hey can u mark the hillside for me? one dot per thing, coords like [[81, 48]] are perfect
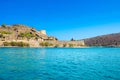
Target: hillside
[[105, 40], [25, 36], [22, 33]]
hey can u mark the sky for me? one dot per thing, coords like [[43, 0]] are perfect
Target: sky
[[64, 19]]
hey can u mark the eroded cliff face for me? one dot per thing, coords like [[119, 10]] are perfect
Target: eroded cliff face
[[23, 33]]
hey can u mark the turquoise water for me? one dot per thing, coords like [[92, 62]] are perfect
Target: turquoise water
[[59, 63]]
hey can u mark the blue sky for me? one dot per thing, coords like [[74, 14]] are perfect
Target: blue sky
[[64, 18]]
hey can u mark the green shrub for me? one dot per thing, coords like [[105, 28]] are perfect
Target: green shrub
[[4, 25], [42, 44], [22, 44], [19, 44], [71, 45], [46, 44], [50, 44], [4, 32], [13, 43], [6, 43], [64, 45], [57, 45], [27, 35], [1, 36]]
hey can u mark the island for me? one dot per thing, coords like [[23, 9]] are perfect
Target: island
[[19, 35]]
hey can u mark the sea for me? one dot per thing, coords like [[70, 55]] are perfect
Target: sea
[[93, 63]]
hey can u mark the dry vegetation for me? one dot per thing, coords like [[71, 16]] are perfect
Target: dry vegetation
[[105, 40]]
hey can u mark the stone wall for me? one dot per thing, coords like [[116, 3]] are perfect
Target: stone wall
[[67, 43], [34, 43]]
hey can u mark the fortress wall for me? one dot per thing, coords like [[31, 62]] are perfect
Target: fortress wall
[[67, 43]]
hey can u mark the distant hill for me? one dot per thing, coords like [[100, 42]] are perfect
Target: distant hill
[[104, 40]]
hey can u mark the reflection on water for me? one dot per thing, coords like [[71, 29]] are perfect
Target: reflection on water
[[59, 63]]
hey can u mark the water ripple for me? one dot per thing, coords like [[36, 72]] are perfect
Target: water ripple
[[59, 64]]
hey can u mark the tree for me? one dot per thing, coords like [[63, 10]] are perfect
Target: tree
[[26, 35], [3, 25], [1, 35], [56, 39], [72, 39], [64, 45]]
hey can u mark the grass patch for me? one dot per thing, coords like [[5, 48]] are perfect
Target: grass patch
[[26, 34], [71, 45], [45, 44], [4, 32], [19, 44]]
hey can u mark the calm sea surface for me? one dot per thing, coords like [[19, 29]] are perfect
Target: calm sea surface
[[59, 63]]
